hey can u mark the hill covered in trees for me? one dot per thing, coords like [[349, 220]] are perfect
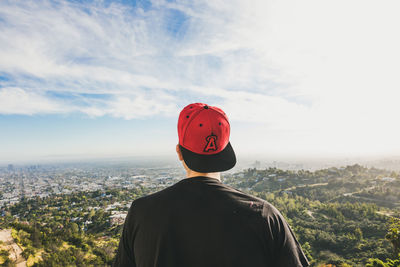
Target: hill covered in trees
[[341, 216]]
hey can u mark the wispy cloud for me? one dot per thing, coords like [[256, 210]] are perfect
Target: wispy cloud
[[319, 65], [15, 100], [126, 52]]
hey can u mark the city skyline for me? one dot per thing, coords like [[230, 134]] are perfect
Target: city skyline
[[95, 79]]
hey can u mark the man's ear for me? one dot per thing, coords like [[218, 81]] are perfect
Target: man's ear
[[178, 151]]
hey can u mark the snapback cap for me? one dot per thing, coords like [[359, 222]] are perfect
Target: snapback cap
[[203, 132]]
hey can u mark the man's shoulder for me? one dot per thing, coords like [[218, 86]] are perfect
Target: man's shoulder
[[255, 204], [144, 201]]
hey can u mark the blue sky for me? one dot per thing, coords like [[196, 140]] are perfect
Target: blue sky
[[108, 78]]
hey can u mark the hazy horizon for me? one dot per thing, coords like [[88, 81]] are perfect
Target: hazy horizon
[[284, 163]]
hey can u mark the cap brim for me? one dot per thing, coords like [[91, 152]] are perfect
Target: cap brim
[[219, 162]]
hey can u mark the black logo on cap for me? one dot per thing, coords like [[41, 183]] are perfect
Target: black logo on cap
[[211, 143]]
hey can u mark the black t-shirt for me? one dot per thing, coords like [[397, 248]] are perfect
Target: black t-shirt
[[202, 222]]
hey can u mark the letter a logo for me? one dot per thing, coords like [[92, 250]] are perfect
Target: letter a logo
[[211, 143]]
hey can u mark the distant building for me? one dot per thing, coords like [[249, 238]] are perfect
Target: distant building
[[117, 219], [10, 167], [388, 179]]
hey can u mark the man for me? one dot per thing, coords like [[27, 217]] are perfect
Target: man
[[199, 221]]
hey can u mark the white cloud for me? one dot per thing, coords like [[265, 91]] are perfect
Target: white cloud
[[140, 107], [19, 101]]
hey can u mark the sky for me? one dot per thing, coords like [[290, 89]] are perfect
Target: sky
[[312, 78]]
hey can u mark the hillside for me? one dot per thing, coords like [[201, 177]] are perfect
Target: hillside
[[340, 216]]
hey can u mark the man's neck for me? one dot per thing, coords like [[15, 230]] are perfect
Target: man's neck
[[215, 175]]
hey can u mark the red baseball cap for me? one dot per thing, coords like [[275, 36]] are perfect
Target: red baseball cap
[[203, 132]]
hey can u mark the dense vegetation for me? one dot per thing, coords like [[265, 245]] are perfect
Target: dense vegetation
[[69, 230], [341, 216]]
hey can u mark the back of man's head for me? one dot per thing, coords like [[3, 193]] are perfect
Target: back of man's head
[[203, 132]]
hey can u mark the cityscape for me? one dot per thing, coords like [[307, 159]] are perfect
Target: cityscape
[[44, 180]]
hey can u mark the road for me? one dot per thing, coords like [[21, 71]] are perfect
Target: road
[[304, 185], [12, 247]]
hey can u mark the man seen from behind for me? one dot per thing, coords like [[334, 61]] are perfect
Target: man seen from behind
[[201, 222]]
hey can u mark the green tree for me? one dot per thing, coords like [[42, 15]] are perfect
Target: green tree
[[35, 237], [379, 263], [393, 234], [307, 251], [358, 233]]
